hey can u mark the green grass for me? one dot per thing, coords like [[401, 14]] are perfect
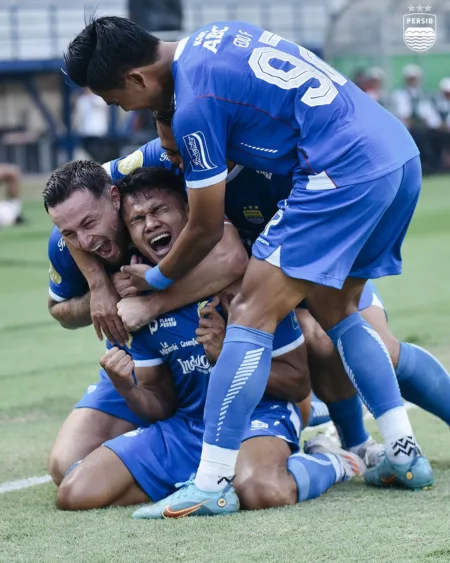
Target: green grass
[[45, 369]]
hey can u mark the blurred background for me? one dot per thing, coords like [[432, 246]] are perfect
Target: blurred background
[[44, 121]]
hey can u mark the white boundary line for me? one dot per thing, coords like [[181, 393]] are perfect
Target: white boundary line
[[21, 484]]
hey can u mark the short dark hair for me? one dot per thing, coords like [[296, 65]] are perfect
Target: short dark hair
[[165, 116], [154, 178], [106, 49], [84, 175]]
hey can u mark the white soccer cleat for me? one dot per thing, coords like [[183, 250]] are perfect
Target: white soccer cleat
[[371, 452], [352, 464]]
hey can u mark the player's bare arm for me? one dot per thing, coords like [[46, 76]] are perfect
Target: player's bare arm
[[71, 313], [202, 232], [222, 266], [152, 396], [104, 297]]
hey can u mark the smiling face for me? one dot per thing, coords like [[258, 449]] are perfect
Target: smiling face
[[93, 224], [154, 219]]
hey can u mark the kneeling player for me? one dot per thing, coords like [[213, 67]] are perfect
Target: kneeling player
[[146, 464], [80, 197]]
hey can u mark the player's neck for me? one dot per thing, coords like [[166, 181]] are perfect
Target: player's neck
[[167, 53]]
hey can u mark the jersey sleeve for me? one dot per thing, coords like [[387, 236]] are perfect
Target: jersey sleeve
[[200, 133], [144, 348], [288, 336], [150, 154], [65, 278]]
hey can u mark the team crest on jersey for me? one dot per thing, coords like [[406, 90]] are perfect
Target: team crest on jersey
[[197, 148], [153, 327], [253, 214], [131, 162], [54, 276], [419, 29]]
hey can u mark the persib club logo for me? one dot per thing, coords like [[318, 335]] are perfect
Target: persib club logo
[[419, 28]]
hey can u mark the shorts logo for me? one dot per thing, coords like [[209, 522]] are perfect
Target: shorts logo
[[253, 214], [294, 320], [131, 162], [197, 148], [258, 425], [133, 433], [419, 29], [54, 276]]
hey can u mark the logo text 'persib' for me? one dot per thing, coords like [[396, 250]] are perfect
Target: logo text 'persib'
[[419, 28]]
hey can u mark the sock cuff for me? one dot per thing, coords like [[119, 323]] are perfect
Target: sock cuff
[[238, 333], [406, 361], [343, 326]]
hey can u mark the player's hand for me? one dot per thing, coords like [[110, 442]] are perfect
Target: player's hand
[[137, 312], [211, 330], [136, 273], [123, 285], [119, 366], [104, 315]]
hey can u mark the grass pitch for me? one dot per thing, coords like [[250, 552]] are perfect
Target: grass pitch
[[44, 370]]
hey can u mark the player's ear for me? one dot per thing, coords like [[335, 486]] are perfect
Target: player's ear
[[136, 77], [115, 197]]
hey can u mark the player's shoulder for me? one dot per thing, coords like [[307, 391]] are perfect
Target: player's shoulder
[[57, 250], [150, 154]]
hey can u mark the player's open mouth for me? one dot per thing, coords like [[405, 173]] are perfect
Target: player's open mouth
[[160, 244], [104, 249]]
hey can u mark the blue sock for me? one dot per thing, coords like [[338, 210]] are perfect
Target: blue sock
[[369, 366], [347, 416], [367, 363], [424, 381], [236, 385], [314, 474], [319, 412]]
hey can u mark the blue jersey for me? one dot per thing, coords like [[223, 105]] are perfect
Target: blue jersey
[[65, 278], [150, 154], [170, 340], [248, 95], [251, 196]]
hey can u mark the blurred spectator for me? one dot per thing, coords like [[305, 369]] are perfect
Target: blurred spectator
[[416, 110], [157, 15], [442, 136], [359, 78], [11, 208], [374, 84], [91, 122]]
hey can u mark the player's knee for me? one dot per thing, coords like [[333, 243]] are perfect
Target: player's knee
[[258, 490], [246, 311], [57, 466], [73, 493]]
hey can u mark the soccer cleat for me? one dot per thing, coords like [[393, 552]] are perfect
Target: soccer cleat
[[191, 501], [352, 465], [371, 452], [414, 475]]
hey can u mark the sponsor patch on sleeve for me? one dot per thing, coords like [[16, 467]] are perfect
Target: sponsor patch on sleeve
[[197, 148], [54, 276], [131, 162]]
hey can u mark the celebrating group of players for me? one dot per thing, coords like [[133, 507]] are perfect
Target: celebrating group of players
[[265, 151]]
